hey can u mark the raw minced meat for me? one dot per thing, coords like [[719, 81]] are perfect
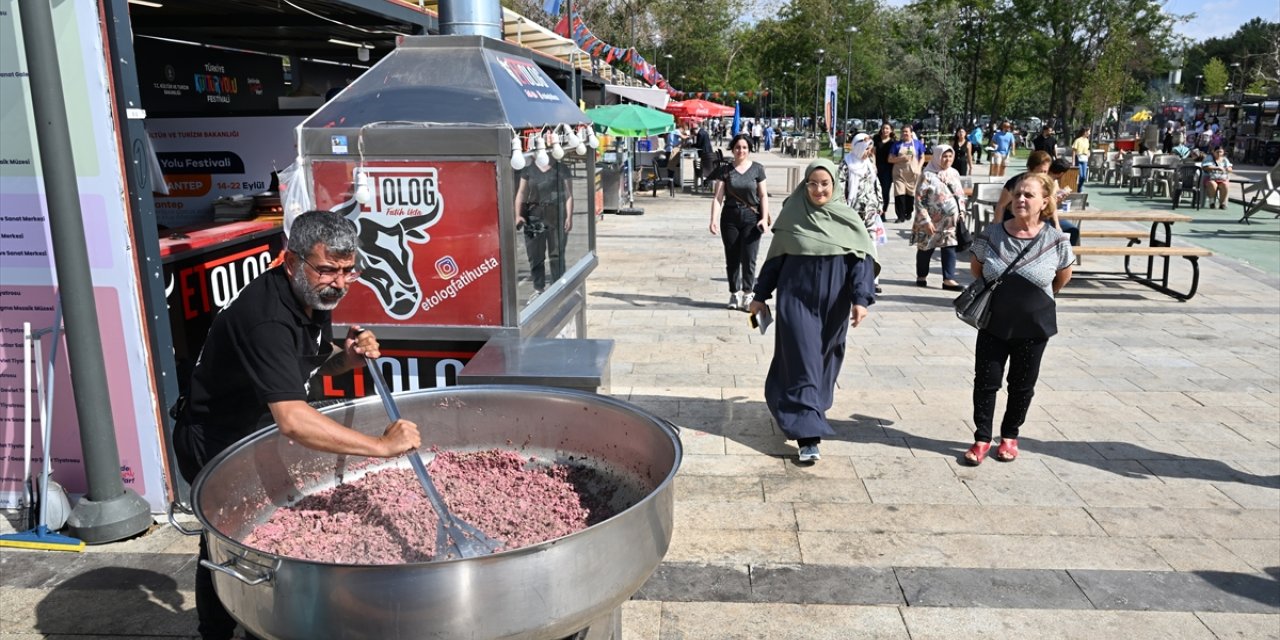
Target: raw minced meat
[[385, 517]]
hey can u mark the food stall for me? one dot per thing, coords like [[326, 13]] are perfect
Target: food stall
[[466, 171], [190, 114]]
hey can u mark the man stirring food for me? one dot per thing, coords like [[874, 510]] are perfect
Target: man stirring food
[[255, 369]]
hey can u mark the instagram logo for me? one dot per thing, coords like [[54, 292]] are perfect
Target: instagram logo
[[446, 267]]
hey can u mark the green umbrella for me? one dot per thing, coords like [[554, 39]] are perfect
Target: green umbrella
[[631, 121]]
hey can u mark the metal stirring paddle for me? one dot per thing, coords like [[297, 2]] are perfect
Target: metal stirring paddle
[[455, 538]]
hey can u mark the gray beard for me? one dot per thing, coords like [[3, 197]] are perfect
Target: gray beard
[[323, 299]]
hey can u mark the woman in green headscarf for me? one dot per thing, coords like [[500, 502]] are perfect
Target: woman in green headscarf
[[822, 264]]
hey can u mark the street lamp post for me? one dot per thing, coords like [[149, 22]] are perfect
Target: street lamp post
[[668, 57], [848, 74], [795, 93], [1199, 78], [818, 108], [1238, 82]]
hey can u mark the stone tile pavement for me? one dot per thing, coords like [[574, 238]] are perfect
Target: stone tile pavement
[[1146, 503]]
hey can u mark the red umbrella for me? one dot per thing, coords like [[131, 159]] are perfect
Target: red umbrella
[[698, 109]]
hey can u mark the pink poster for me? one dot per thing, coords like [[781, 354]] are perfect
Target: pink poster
[[36, 305]]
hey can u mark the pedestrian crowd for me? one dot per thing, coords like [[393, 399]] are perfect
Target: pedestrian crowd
[[820, 277]]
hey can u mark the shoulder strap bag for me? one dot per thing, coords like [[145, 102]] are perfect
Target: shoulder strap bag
[[973, 305]]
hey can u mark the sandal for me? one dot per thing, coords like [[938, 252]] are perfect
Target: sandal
[[1008, 450], [977, 453], [952, 286]]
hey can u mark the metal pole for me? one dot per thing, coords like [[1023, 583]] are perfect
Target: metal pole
[[109, 511], [818, 107], [848, 77]]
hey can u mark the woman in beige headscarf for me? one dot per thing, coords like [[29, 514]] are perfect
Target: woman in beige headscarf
[[822, 265], [906, 156]]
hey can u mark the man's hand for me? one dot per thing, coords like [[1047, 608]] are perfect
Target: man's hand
[[360, 344], [858, 315], [400, 436], [756, 307]]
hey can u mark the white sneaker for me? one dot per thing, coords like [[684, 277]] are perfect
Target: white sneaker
[[745, 300], [733, 302], [809, 453]]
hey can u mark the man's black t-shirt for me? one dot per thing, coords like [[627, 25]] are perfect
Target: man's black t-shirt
[[261, 348], [1047, 144]]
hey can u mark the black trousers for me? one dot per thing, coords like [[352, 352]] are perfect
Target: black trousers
[[741, 239], [990, 355], [904, 207], [216, 622], [543, 241], [886, 186]]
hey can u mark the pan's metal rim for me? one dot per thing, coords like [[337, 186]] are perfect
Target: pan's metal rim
[[669, 429]]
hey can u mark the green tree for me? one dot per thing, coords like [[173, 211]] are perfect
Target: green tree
[[1069, 37], [1215, 77]]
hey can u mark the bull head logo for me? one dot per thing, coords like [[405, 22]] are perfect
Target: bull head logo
[[407, 200]]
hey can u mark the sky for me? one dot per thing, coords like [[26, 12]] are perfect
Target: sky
[[1221, 18], [1214, 18]]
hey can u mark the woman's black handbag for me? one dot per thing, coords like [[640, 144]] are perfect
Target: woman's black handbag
[[963, 237], [973, 305]]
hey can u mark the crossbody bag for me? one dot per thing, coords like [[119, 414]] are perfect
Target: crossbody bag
[[973, 305]]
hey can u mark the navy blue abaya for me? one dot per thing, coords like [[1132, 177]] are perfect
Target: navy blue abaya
[[815, 295]]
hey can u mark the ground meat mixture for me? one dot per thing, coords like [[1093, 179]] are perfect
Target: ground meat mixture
[[385, 518]]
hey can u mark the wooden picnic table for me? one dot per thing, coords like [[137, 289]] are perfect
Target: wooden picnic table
[[1127, 216], [1159, 245]]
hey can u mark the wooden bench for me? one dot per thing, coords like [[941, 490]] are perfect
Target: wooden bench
[[1165, 253], [1113, 233]]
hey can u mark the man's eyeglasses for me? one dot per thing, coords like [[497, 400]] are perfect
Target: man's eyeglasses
[[329, 274]]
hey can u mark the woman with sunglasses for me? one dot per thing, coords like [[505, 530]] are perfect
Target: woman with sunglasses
[[822, 266]]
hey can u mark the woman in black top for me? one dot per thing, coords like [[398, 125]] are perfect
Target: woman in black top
[[544, 212], [884, 171], [740, 214], [964, 151]]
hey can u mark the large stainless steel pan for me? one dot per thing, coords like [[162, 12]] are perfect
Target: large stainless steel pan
[[546, 591]]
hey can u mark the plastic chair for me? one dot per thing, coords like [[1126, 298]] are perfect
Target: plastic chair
[[1189, 179], [985, 197], [1097, 165], [662, 178]]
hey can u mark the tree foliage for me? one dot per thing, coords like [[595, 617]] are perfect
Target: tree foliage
[[1072, 60], [1215, 77]]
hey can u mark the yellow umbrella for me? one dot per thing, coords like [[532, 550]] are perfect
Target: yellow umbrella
[[1141, 116]]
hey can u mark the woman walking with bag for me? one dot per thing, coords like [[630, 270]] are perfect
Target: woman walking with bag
[[862, 189], [739, 215], [940, 204], [1031, 261], [822, 265], [1080, 148]]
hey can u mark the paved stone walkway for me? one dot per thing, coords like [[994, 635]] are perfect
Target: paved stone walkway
[[1146, 503]]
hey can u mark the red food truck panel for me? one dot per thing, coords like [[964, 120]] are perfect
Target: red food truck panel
[[429, 239]]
